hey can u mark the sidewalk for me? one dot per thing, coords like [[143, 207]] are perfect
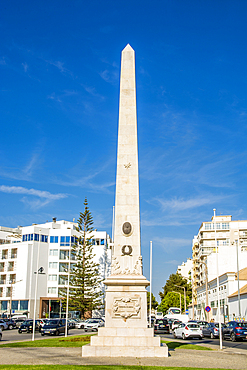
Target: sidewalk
[[72, 356]]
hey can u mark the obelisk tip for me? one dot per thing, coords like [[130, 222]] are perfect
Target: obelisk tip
[[128, 48]]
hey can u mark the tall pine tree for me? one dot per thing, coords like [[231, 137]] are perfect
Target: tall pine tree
[[85, 293]]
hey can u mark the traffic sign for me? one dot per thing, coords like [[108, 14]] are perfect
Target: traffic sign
[[208, 309]]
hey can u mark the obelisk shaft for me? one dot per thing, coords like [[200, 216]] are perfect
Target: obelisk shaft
[[127, 211]]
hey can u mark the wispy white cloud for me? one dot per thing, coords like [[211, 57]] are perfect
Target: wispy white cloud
[[109, 76], [25, 66], [3, 61], [180, 204], [38, 193]]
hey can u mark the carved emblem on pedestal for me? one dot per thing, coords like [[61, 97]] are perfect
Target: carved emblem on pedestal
[[127, 228], [126, 250], [116, 269], [126, 307]]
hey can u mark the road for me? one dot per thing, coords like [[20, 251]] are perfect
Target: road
[[13, 335], [209, 341]]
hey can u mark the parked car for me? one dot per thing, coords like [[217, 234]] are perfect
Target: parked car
[[53, 327], [188, 330], [27, 326], [11, 323], [211, 330], [18, 322], [3, 325], [93, 324], [161, 326], [235, 331], [1, 333], [80, 324], [175, 324], [202, 324]]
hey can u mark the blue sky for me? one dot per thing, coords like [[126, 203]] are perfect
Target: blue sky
[[60, 67]]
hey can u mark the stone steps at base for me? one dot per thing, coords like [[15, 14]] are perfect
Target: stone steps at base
[[125, 341], [123, 332], [124, 351]]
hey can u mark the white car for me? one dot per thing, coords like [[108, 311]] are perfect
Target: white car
[[175, 324], [93, 324], [79, 324], [188, 330]]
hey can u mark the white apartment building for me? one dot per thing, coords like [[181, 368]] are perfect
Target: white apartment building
[[185, 269], [229, 239], [45, 248]]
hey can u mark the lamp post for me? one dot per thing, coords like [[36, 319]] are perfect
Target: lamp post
[[206, 285], [218, 284], [67, 299], [184, 295], [239, 302], [11, 293], [150, 297], [179, 299], [38, 272]]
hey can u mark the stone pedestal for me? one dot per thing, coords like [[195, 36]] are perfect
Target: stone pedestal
[[125, 342]]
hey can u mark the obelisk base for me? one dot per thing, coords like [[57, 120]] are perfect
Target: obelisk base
[[125, 342]]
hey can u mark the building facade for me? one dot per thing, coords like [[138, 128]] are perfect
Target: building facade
[[219, 248], [43, 248], [185, 269]]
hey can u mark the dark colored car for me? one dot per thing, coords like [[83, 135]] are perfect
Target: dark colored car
[[235, 331], [27, 326], [11, 323], [161, 326], [53, 327], [211, 330]]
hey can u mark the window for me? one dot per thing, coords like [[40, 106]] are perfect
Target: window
[[217, 225], [1, 266], [207, 226], [225, 225], [226, 242], [64, 255], [14, 253], [52, 290], [52, 277], [72, 239], [63, 280], [53, 265], [62, 292], [4, 305], [11, 266], [44, 238], [36, 237], [12, 278], [8, 291], [30, 237], [2, 279], [23, 305], [14, 305], [102, 242], [1, 292], [4, 254], [53, 239], [65, 241], [63, 267], [53, 252]]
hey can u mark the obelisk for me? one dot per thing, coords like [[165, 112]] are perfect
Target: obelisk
[[126, 333]]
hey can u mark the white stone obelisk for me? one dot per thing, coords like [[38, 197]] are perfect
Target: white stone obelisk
[[125, 332]]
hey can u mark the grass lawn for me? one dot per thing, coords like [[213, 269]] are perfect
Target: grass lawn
[[173, 345], [94, 367], [80, 340], [75, 341]]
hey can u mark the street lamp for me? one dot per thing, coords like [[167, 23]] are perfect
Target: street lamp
[[218, 284], [38, 272], [150, 297], [206, 284], [67, 300], [184, 295], [11, 293]]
